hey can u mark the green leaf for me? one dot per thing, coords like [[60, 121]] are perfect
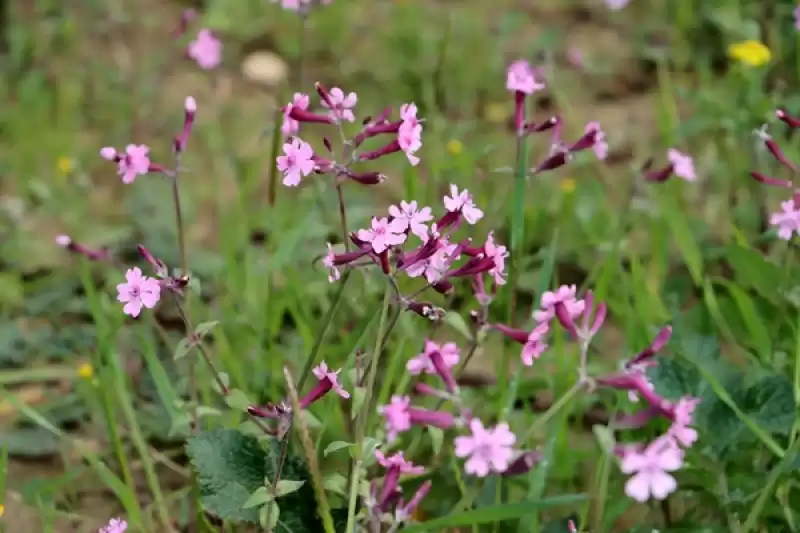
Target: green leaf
[[753, 270], [230, 468], [494, 513], [770, 402], [679, 226], [459, 325], [757, 333], [287, 486], [268, 516], [258, 498], [182, 349], [605, 438], [335, 446], [202, 329], [236, 399], [674, 377], [437, 439]]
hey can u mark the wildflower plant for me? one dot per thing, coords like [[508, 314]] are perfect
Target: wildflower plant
[[356, 438]]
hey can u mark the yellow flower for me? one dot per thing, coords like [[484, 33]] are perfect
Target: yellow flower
[[568, 186], [2, 510], [85, 371], [455, 147], [497, 112], [65, 165], [751, 53]]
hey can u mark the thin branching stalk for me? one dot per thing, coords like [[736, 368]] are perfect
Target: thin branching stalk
[[324, 509]]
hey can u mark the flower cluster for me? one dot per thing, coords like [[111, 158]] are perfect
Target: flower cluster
[[486, 449], [299, 159], [385, 503], [787, 220], [649, 465]]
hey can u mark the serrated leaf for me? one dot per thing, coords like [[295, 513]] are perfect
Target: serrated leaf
[[287, 486], [336, 446], [258, 498], [230, 467]]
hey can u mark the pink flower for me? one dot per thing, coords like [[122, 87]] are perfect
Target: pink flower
[[797, 18], [395, 466], [291, 126], [683, 165], [600, 145], [341, 105], [412, 218], [322, 373], [787, 220], [438, 264], [333, 271], [296, 162], [535, 345], [206, 50], [616, 5], [409, 136], [564, 295], [396, 414], [115, 525], [682, 419], [326, 381], [134, 162], [520, 78], [422, 364], [498, 254], [63, 240], [462, 202], [398, 461], [650, 468], [487, 449], [138, 291], [383, 234]]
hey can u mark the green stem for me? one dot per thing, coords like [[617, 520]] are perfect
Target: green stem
[[769, 486], [323, 331], [553, 410], [176, 200], [363, 418], [517, 238]]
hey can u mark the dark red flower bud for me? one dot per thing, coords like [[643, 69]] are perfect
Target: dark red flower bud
[[778, 154], [301, 115], [554, 161], [367, 178], [787, 119], [545, 125], [588, 140], [762, 178], [659, 176]]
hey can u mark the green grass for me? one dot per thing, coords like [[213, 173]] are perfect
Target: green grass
[[696, 256]]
